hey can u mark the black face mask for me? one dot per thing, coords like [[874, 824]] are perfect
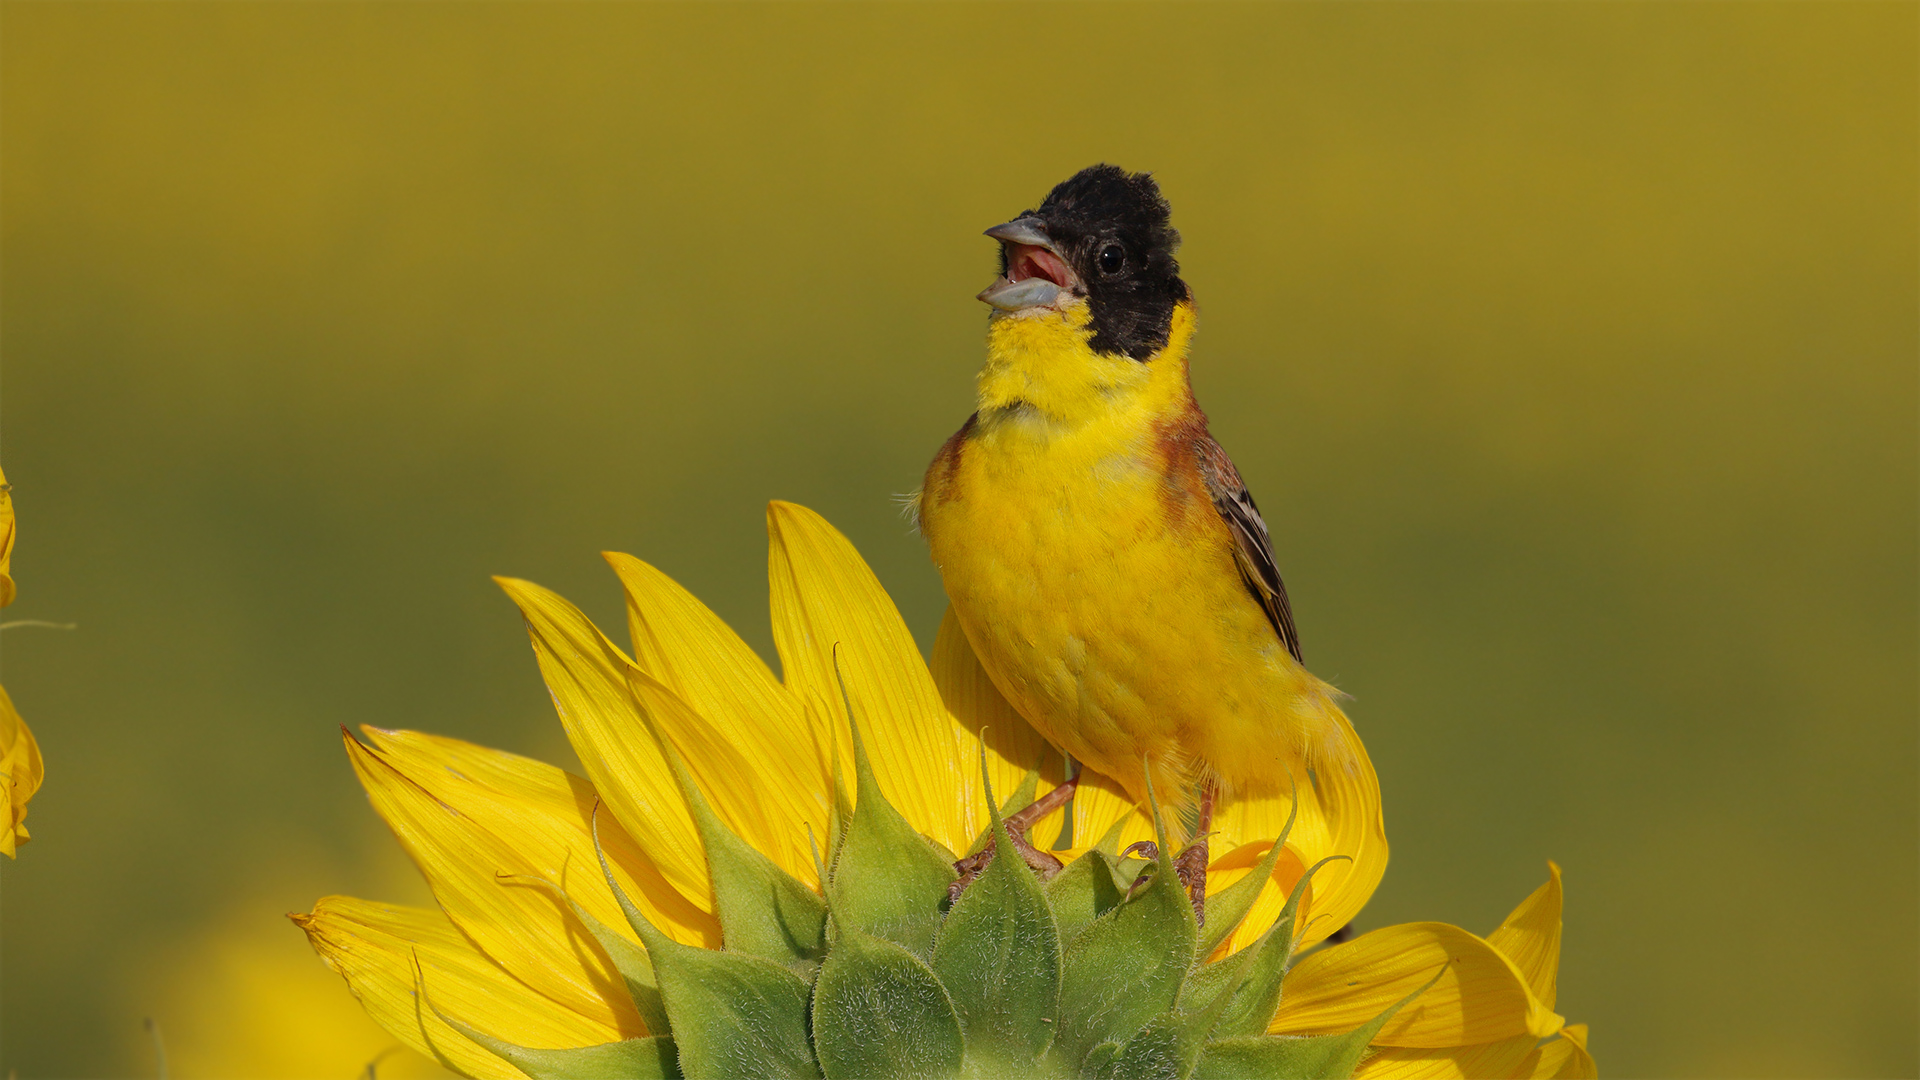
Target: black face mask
[[1112, 228]]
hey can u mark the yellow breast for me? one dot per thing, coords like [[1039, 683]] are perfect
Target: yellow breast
[[1095, 580]]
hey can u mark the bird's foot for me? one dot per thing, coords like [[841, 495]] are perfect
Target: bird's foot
[[1191, 864], [1017, 825]]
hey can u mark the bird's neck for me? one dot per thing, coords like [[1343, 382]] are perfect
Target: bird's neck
[[1041, 368]]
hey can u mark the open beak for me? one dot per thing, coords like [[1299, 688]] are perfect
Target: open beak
[[1036, 274]]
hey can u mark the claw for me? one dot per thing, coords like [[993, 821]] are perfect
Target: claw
[[968, 869], [1148, 850]]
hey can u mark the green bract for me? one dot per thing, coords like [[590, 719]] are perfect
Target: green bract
[[1100, 972]]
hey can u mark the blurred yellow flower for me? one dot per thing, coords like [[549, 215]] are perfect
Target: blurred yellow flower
[[21, 769], [242, 1000], [20, 774], [529, 941], [6, 541]]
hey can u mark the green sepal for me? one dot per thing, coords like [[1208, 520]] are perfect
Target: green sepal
[[998, 955], [1209, 989], [1128, 965], [1281, 1057], [1170, 1045], [763, 910], [1228, 907], [1089, 887], [1163, 1050], [1298, 1057], [1099, 1059], [730, 1014], [733, 1014], [630, 960], [879, 1011], [819, 864], [1254, 997], [888, 880], [841, 810], [1022, 796]]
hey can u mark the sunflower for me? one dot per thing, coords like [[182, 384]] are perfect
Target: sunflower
[[752, 877]]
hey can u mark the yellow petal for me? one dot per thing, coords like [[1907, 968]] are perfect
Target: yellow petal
[[587, 677], [1339, 816], [770, 816], [1565, 1058], [1481, 998], [1503, 1058], [1228, 868], [6, 543], [1350, 803], [1099, 804], [375, 946], [21, 771], [824, 597], [1531, 937], [1013, 747], [548, 814], [686, 648], [522, 927]]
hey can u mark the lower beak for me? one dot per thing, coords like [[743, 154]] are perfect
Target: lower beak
[[1014, 295]]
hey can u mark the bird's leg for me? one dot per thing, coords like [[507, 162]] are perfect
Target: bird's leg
[[1017, 825], [1191, 864]]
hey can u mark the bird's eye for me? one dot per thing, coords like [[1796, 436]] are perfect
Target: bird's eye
[[1112, 258]]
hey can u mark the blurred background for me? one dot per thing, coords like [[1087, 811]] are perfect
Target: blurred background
[[1570, 350]]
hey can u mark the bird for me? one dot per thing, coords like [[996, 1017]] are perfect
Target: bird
[[1109, 568]]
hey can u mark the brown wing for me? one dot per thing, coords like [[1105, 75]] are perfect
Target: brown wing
[[1253, 549]]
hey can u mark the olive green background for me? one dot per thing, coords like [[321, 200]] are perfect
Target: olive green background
[[1569, 349]]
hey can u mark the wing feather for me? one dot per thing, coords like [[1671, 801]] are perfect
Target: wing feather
[[1253, 548]]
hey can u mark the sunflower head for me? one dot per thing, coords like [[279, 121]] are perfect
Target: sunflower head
[[756, 876]]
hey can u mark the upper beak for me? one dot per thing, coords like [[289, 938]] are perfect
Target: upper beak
[[1027, 230]]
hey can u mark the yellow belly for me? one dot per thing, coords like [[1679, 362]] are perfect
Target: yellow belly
[[1109, 610]]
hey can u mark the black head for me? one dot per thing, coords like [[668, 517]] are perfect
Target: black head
[[1111, 230]]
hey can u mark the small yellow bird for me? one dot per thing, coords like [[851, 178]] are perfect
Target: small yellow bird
[[1107, 564]]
